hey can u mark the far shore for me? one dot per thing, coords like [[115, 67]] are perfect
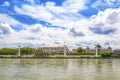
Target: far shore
[[58, 57]]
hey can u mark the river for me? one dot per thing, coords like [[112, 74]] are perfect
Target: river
[[59, 69]]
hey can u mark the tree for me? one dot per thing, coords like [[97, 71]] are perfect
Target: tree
[[7, 51], [39, 51], [26, 50], [80, 50]]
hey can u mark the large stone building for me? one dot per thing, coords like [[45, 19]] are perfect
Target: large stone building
[[59, 49], [74, 50], [93, 50], [116, 52]]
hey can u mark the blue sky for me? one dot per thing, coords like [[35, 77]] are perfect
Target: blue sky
[[53, 22]]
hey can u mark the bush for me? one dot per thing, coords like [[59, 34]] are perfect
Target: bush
[[106, 54], [53, 53], [90, 53], [61, 53], [75, 53]]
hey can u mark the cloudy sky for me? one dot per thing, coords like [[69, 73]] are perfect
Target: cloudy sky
[[53, 22]]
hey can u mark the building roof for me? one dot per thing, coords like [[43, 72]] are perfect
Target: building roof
[[98, 46], [117, 50]]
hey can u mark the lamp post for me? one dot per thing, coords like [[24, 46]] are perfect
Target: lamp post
[[19, 50], [35, 51], [64, 50], [96, 51], [97, 47], [87, 48]]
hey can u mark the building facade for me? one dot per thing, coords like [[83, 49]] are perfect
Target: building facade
[[59, 49], [116, 52], [93, 50]]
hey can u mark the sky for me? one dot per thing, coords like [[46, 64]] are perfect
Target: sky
[[37, 23]]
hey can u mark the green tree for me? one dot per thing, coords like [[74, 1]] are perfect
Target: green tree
[[7, 51], [39, 51], [80, 50], [106, 54], [26, 50]]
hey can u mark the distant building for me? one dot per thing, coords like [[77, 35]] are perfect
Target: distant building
[[116, 52], [59, 49], [100, 50], [106, 50], [74, 50], [93, 50]]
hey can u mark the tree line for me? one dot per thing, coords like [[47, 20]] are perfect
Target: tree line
[[39, 52], [23, 51]]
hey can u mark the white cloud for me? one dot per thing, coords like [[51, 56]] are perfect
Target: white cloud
[[66, 16], [74, 6], [58, 15], [6, 3], [106, 20], [46, 36], [101, 4], [109, 18], [36, 28], [5, 29], [7, 19], [38, 12], [113, 16], [113, 2], [32, 1]]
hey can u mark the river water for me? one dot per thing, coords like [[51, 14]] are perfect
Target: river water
[[59, 69]]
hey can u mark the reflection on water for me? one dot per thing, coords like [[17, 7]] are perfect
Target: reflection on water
[[59, 69]]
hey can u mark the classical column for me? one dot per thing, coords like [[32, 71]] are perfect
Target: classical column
[[96, 51], [98, 47], [18, 50], [64, 50]]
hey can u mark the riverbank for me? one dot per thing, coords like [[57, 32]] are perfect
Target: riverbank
[[58, 57]]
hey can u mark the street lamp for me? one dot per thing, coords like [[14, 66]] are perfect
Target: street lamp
[[97, 47], [64, 50], [19, 50]]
